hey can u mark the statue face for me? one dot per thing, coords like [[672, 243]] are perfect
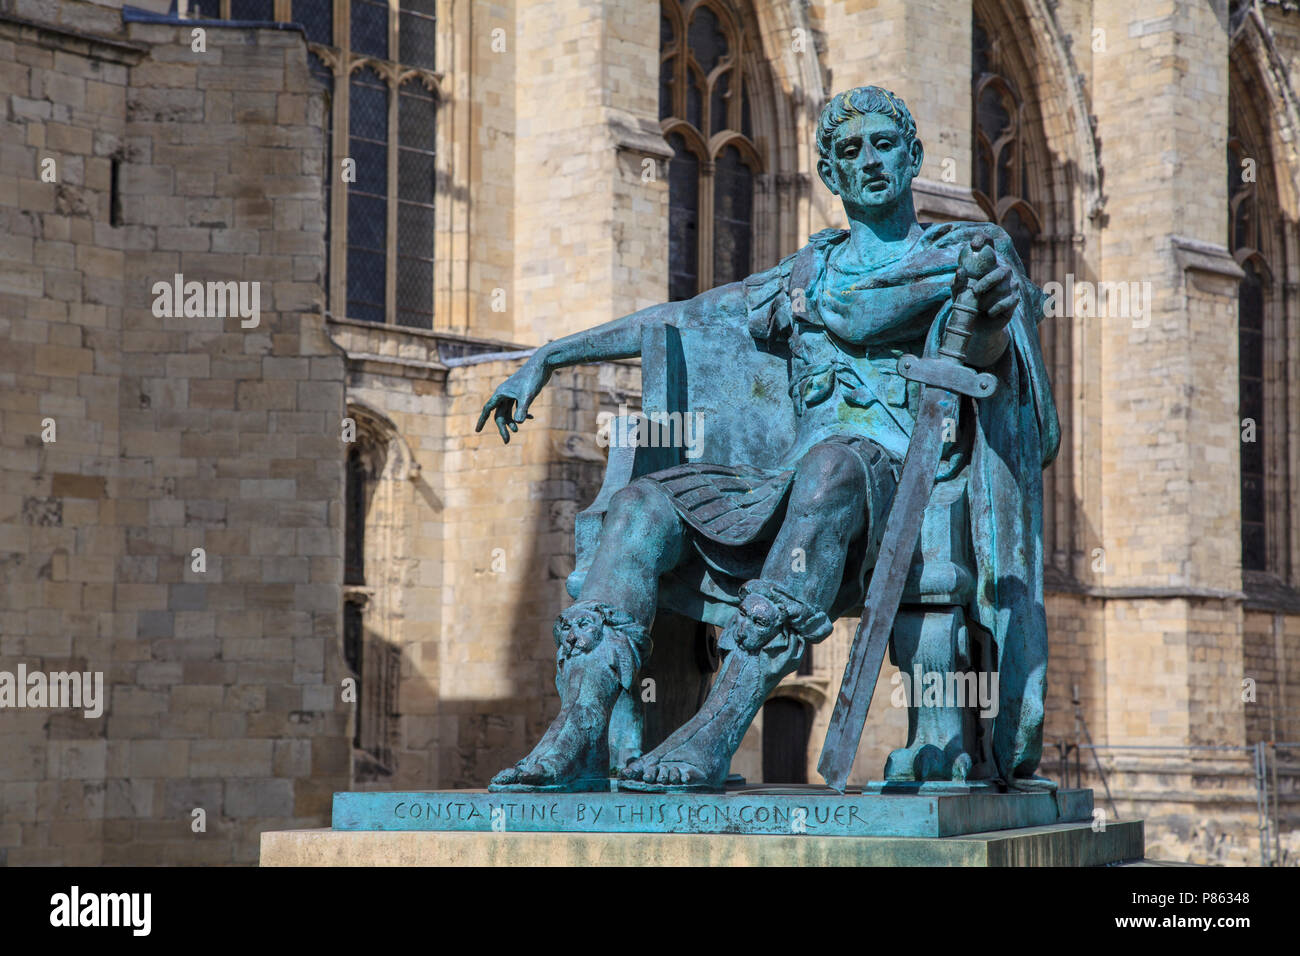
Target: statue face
[[870, 166]]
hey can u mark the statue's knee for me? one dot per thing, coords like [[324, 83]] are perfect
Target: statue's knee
[[829, 476], [640, 505]]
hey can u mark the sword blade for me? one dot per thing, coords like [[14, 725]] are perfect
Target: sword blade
[[897, 548]]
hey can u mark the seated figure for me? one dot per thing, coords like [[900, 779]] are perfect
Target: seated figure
[[840, 311]]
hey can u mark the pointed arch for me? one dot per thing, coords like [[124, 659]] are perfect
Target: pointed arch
[[1261, 234], [1035, 172], [377, 543], [765, 79], [705, 71], [787, 94]]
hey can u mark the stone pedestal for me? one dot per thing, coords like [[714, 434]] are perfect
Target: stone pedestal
[[749, 826], [1069, 844]]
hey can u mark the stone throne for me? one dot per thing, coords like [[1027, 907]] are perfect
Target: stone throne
[[716, 372]]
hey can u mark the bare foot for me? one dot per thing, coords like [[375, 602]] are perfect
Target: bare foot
[[598, 652]]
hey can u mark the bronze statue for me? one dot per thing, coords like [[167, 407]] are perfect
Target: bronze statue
[[839, 325]]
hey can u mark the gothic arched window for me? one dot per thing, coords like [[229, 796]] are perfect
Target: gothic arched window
[[1024, 175], [372, 469], [376, 59], [1246, 240], [1001, 185], [704, 115]]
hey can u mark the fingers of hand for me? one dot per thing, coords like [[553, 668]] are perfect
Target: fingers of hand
[[490, 404], [503, 406], [985, 283], [1004, 306]]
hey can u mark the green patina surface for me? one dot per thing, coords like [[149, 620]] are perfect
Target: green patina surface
[[759, 812]]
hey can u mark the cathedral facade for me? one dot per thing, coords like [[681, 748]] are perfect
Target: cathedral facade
[[262, 261]]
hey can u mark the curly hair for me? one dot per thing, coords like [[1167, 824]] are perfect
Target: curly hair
[[858, 102]]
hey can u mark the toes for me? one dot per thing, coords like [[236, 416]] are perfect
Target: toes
[[899, 766], [508, 776], [676, 774], [530, 770], [929, 763], [961, 766]]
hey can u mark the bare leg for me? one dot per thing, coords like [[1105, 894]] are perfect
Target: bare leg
[[643, 537], [601, 641], [780, 614], [827, 510]]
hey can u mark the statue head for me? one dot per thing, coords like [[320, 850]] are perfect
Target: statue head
[[868, 151]]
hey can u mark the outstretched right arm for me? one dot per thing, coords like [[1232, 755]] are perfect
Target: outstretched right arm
[[618, 339]]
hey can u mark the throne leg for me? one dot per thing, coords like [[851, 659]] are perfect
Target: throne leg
[[931, 647]]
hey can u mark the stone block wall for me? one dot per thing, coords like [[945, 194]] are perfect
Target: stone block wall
[[172, 434]]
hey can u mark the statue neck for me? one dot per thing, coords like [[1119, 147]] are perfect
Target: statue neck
[[876, 234]]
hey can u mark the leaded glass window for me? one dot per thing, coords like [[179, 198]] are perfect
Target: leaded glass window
[[704, 113], [325, 76], [683, 220], [417, 33], [226, 9], [202, 9], [252, 9], [1250, 336], [383, 117], [370, 28], [1245, 240], [354, 519], [317, 18], [368, 197], [733, 216], [416, 119]]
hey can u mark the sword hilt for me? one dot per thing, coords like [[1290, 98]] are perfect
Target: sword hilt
[[975, 262], [949, 369]]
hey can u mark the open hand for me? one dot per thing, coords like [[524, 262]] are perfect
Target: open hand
[[509, 403]]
